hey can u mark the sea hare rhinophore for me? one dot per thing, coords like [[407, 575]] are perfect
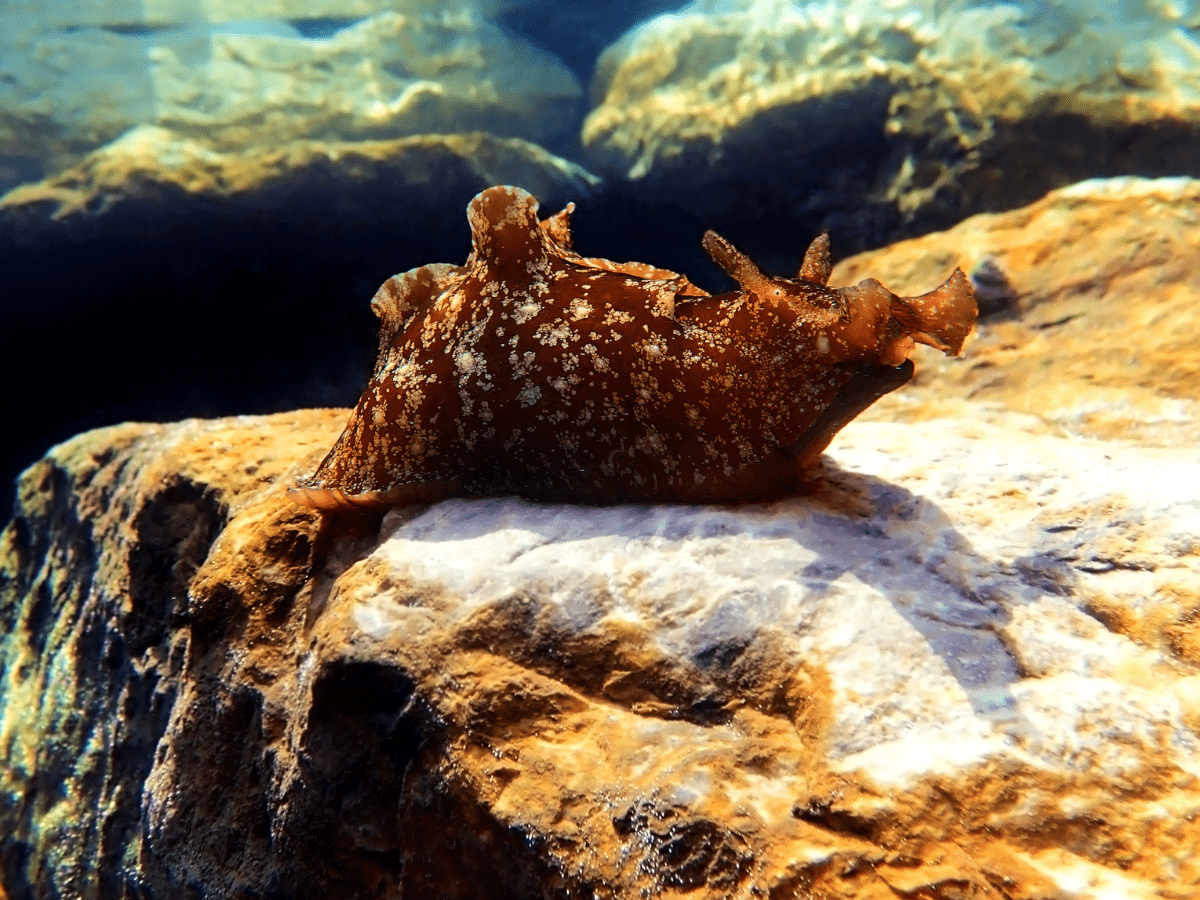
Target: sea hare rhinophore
[[535, 371]]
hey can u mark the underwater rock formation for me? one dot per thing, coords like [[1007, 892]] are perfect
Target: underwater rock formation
[[879, 120], [974, 668], [154, 174], [967, 665], [1100, 339], [76, 79], [533, 370]]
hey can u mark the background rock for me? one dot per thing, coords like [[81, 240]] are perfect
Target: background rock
[[967, 666], [163, 170], [262, 82], [1098, 335], [876, 121], [238, 75]]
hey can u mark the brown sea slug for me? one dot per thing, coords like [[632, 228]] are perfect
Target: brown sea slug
[[535, 371]]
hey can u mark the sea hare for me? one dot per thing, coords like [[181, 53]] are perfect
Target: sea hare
[[535, 371]]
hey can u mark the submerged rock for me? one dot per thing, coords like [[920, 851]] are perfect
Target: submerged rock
[[969, 660], [877, 120], [1100, 337], [239, 81], [156, 173], [967, 664]]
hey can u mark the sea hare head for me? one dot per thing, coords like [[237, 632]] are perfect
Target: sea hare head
[[536, 371]]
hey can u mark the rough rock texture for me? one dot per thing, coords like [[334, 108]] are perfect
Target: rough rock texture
[[881, 119], [259, 81], [967, 667], [160, 173], [95, 580], [1093, 318]]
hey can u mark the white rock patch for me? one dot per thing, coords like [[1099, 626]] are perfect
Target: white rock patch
[[951, 619]]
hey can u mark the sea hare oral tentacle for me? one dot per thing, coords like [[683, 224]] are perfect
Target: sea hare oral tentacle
[[537, 371], [942, 318], [866, 386]]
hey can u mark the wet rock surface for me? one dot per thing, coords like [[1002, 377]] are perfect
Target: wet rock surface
[[967, 664], [1092, 293], [877, 121], [239, 78]]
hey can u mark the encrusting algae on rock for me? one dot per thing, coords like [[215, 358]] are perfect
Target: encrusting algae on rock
[[535, 371]]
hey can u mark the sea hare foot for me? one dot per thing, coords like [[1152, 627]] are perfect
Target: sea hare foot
[[535, 371]]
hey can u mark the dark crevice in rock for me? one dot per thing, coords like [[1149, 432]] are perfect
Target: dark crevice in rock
[[684, 852], [175, 530], [340, 818], [219, 823], [824, 815], [478, 859], [111, 658]]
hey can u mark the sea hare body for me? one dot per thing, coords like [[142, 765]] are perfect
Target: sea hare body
[[535, 371]]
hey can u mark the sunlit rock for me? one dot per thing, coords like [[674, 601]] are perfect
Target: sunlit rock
[[950, 664], [966, 663], [1097, 336], [257, 80], [875, 120]]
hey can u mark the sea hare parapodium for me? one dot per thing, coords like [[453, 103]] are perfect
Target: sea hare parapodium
[[535, 371]]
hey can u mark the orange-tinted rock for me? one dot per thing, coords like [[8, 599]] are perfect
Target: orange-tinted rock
[[965, 666], [894, 686], [1101, 339]]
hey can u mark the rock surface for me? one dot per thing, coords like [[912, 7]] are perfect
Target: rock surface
[[1093, 331], [877, 120], [968, 666], [161, 172], [261, 82]]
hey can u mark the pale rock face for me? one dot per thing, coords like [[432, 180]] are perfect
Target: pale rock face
[[875, 119], [949, 614], [1096, 336], [368, 71]]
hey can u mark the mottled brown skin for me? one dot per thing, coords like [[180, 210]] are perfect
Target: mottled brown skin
[[534, 371]]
